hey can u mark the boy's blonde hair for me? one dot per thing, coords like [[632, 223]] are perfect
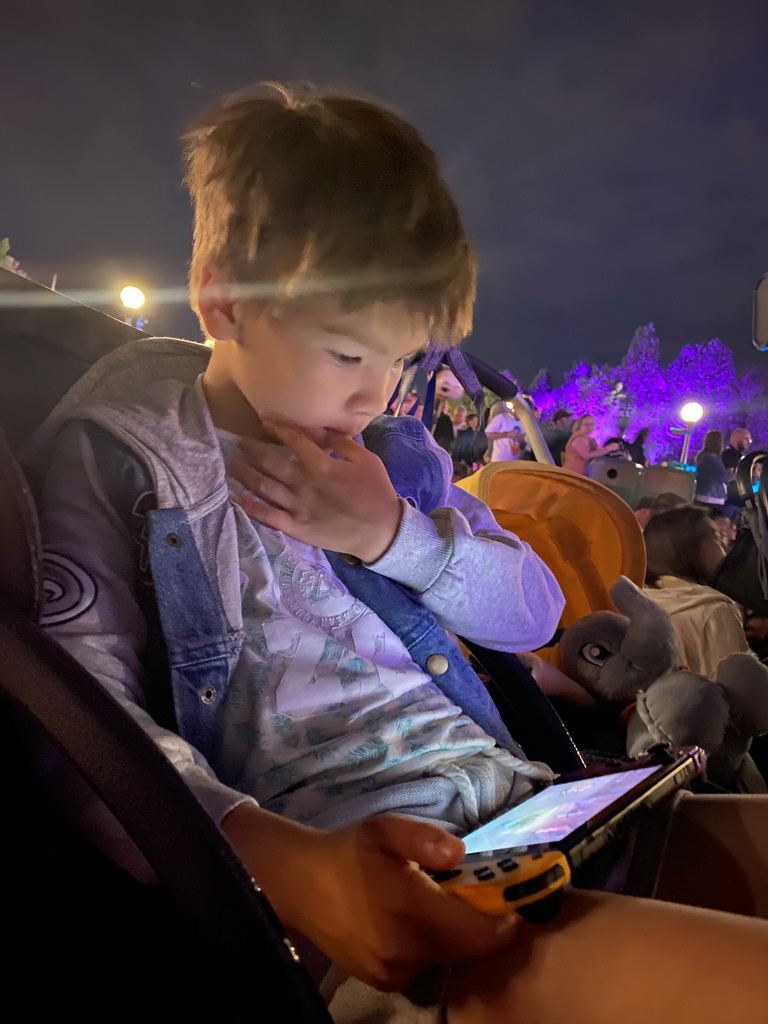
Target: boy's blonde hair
[[299, 193]]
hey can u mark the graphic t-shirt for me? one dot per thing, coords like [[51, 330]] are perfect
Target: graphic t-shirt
[[325, 703], [504, 448]]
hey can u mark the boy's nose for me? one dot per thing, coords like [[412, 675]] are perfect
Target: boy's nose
[[371, 397]]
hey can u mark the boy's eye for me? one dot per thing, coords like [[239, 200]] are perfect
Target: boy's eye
[[345, 360]]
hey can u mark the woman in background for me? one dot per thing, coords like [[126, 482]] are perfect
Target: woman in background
[[637, 447], [582, 447], [684, 548], [711, 475]]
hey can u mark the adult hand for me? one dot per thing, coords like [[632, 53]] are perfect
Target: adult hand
[[359, 895], [343, 504]]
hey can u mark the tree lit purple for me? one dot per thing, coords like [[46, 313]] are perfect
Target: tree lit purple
[[640, 392]]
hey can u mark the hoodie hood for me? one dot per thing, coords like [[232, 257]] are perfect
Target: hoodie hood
[[147, 393]]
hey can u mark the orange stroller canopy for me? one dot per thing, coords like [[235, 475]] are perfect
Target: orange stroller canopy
[[586, 534]]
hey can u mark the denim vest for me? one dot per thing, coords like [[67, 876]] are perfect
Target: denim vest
[[203, 648]]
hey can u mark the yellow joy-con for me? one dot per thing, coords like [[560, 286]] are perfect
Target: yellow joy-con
[[512, 882]]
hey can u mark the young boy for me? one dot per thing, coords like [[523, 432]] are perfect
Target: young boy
[[212, 520]]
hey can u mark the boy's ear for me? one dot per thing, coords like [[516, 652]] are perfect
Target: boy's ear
[[218, 310]]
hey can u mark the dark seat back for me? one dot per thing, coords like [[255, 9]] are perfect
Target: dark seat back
[[203, 945], [48, 341]]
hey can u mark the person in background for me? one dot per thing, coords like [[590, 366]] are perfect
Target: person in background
[[411, 405], [534, 408], [582, 447], [643, 512], [623, 449], [653, 506], [557, 434], [726, 524], [739, 444], [504, 434], [666, 501], [460, 471], [711, 475], [684, 548], [459, 418], [526, 449], [465, 443], [637, 447], [443, 431]]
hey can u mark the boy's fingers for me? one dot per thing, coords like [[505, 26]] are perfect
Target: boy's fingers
[[429, 846], [346, 446], [266, 458], [303, 447], [261, 486], [267, 515]]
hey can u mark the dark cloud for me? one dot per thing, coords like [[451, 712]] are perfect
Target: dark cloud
[[611, 158]]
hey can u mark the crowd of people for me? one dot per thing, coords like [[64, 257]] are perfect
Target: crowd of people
[[302, 590], [570, 442]]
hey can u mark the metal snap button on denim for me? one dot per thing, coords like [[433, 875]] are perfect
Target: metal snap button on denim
[[208, 695], [174, 540], [437, 664], [351, 559]]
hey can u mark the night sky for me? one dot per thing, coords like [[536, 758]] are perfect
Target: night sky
[[610, 156]]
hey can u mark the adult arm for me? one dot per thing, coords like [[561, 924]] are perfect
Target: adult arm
[[501, 432]]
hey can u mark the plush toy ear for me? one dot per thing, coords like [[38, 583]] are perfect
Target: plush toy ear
[[650, 646], [744, 682], [682, 709]]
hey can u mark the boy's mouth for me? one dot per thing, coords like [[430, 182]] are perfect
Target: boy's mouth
[[349, 430]]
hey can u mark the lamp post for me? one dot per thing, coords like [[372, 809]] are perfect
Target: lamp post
[[690, 414], [132, 299]]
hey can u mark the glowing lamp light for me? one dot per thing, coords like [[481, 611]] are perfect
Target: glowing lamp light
[[132, 297], [691, 412]]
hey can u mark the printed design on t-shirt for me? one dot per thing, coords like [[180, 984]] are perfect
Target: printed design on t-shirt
[[68, 590], [310, 592], [310, 680], [373, 751]]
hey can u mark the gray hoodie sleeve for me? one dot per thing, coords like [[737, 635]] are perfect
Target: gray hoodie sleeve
[[480, 581], [91, 607]]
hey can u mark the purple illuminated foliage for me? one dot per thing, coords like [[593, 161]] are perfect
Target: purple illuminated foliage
[[640, 392]]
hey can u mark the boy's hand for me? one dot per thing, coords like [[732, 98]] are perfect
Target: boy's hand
[[359, 896], [346, 504]]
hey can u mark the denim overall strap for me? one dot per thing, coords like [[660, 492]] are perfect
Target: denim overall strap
[[201, 648], [423, 636]]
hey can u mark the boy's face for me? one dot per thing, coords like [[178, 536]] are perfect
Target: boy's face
[[321, 367]]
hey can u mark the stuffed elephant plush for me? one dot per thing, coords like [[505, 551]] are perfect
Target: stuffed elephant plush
[[630, 661]]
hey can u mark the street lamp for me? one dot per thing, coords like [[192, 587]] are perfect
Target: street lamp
[[690, 414], [133, 300]]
